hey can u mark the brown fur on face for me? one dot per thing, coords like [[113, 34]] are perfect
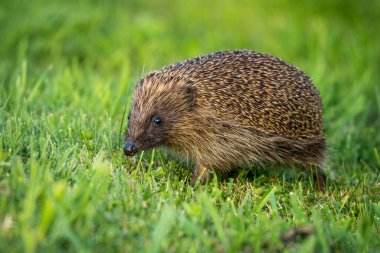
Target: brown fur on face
[[229, 109], [169, 102]]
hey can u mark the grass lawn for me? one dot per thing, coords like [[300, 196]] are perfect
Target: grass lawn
[[67, 70]]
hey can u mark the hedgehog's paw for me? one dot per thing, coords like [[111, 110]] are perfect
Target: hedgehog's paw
[[201, 174], [319, 179]]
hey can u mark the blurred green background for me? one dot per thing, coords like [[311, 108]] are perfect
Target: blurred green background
[[67, 69], [335, 42]]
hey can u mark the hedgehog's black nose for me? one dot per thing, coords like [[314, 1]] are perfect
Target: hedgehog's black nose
[[129, 148]]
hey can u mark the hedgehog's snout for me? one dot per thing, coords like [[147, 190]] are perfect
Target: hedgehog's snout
[[130, 148]]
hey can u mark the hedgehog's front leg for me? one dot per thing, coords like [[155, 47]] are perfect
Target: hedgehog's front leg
[[202, 173]]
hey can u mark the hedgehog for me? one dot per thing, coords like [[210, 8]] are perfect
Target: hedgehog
[[228, 110]]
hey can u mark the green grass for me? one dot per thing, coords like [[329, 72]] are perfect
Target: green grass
[[67, 70]]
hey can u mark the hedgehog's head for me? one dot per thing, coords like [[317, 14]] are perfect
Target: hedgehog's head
[[161, 105]]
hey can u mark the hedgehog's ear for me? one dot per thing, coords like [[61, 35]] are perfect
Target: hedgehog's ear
[[190, 96]]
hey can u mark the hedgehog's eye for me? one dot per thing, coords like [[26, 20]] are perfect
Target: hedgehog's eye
[[157, 120], [129, 116]]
